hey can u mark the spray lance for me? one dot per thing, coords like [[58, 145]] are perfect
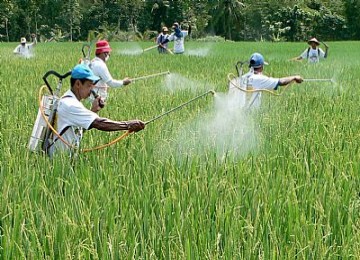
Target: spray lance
[[157, 45], [180, 106], [319, 80], [150, 76]]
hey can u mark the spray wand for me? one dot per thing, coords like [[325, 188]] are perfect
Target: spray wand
[[320, 80], [150, 76], [180, 106]]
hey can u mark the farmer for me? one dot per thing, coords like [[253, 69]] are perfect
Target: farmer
[[162, 48], [98, 66], [256, 80], [178, 37], [313, 53], [73, 117], [25, 49]]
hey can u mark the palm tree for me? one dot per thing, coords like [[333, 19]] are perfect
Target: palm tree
[[226, 13]]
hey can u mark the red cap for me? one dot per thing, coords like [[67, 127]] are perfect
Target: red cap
[[102, 46]]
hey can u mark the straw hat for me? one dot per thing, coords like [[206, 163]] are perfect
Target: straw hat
[[313, 40]]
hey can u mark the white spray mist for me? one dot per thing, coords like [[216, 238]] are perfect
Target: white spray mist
[[175, 82], [226, 131], [201, 52], [133, 50]]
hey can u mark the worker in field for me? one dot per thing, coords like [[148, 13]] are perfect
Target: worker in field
[[313, 53], [178, 37], [73, 117], [163, 48], [256, 80], [100, 69], [25, 49]]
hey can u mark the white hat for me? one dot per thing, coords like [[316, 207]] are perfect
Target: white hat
[[23, 40]]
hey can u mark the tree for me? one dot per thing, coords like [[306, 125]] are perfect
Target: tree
[[225, 14], [71, 17], [352, 14], [6, 12]]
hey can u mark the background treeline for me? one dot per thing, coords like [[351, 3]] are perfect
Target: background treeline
[[271, 20]]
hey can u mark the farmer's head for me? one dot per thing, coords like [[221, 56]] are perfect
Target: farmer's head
[[175, 26], [165, 30], [82, 81], [23, 41], [103, 50], [313, 42], [257, 61]]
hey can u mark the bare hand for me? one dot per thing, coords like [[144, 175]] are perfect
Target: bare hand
[[126, 81], [135, 125], [97, 104], [298, 79]]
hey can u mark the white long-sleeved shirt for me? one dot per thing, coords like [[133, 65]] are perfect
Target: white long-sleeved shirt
[[98, 66]]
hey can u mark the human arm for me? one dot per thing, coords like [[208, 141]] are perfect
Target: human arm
[[100, 69], [168, 39], [34, 40], [105, 124], [326, 50], [114, 83], [287, 80], [303, 56], [17, 50]]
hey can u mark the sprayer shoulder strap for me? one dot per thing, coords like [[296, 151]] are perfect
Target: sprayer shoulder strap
[[308, 51], [62, 131]]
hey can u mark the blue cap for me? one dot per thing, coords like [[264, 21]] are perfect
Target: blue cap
[[82, 71], [257, 60]]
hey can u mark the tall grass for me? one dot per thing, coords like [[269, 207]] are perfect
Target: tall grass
[[296, 196]]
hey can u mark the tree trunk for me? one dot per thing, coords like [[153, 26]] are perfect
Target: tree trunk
[[7, 29]]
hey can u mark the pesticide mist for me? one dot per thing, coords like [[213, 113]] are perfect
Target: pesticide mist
[[225, 131], [175, 82], [132, 50], [201, 52]]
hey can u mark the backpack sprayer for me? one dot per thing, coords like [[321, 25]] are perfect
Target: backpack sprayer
[[41, 136], [86, 54]]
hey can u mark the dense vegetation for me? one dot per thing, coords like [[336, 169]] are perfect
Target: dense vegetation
[[288, 20], [286, 185]]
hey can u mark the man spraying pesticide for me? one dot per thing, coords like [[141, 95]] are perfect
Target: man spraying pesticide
[[247, 88], [178, 37], [163, 48], [64, 119], [72, 117], [314, 52], [24, 49], [100, 69]]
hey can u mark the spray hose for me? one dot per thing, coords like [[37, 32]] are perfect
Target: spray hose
[[41, 107], [231, 78]]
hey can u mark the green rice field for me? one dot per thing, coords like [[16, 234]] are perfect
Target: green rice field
[[280, 182]]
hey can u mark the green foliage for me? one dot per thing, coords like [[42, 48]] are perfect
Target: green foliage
[[231, 19], [296, 196]]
